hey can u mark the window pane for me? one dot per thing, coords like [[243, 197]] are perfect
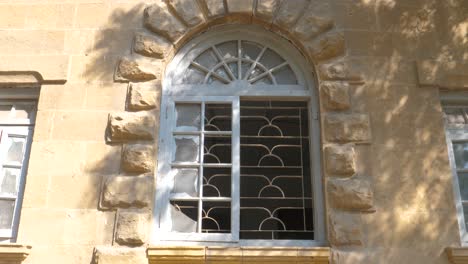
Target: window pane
[[221, 71], [234, 68], [218, 117], [188, 117], [207, 59], [460, 150], [9, 182], [285, 76], [245, 66], [270, 59], [193, 76], [216, 182], [186, 182], [228, 49], [217, 149], [276, 186], [6, 213], [250, 50], [186, 149], [184, 216], [15, 149], [216, 217]]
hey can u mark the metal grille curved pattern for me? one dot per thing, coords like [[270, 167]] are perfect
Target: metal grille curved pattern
[[238, 60]]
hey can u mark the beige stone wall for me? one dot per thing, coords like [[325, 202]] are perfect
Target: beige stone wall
[[75, 46]]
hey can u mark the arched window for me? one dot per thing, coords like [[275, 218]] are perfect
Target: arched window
[[239, 143]]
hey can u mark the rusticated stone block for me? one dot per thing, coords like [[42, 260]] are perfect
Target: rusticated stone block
[[132, 227], [289, 12], [236, 6], [188, 11], [215, 8], [345, 229], [151, 46], [315, 21], [138, 158], [116, 255], [339, 70], [266, 9], [127, 191], [158, 19], [347, 128], [136, 70], [328, 46], [335, 95], [143, 97], [126, 126], [353, 194], [340, 159]]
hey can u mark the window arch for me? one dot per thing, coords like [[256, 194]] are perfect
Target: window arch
[[239, 143]]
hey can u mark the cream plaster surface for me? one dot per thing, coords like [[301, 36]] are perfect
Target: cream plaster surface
[[75, 46]]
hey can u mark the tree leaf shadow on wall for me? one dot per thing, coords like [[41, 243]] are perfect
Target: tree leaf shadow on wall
[[407, 160]]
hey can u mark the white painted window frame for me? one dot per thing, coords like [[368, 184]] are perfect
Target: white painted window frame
[[304, 91], [19, 128], [456, 134]]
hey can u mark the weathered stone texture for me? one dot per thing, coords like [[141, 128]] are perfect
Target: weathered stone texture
[[311, 26], [353, 194], [335, 95], [126, 126], [127, 191], [151, 46], [215, 8], [340, 159], [135, 70], [143, 97], [116, 255], [138, 158], [290, 12], [266, 9], [132, 227], [345, 229], [448, 74], [327, 47], [347, 128], [157, 18], [236, 6], [339, 70], [315, 21], [188, 11]]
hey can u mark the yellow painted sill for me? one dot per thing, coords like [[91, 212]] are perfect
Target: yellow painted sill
[[458, 255], [237, 255], [13, 253]]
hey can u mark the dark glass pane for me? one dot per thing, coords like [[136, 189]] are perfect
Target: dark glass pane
[[216, 217], [276, 184]]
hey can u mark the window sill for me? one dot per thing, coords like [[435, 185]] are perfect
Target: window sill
[[234, 255], [13, 253]]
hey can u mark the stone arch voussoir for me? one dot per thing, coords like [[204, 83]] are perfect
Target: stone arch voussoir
[[309, 26]]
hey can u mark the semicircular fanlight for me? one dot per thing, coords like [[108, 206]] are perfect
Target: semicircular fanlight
[[238, 60]]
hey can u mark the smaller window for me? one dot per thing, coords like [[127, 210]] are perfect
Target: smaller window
[[16, 126], [455, 106]]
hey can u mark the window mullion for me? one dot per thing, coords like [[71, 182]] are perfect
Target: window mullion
[[200, 170], [235, 193]]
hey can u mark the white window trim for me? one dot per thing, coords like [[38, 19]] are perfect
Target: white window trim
[[456, 134], [304, 91], [24, 128]]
